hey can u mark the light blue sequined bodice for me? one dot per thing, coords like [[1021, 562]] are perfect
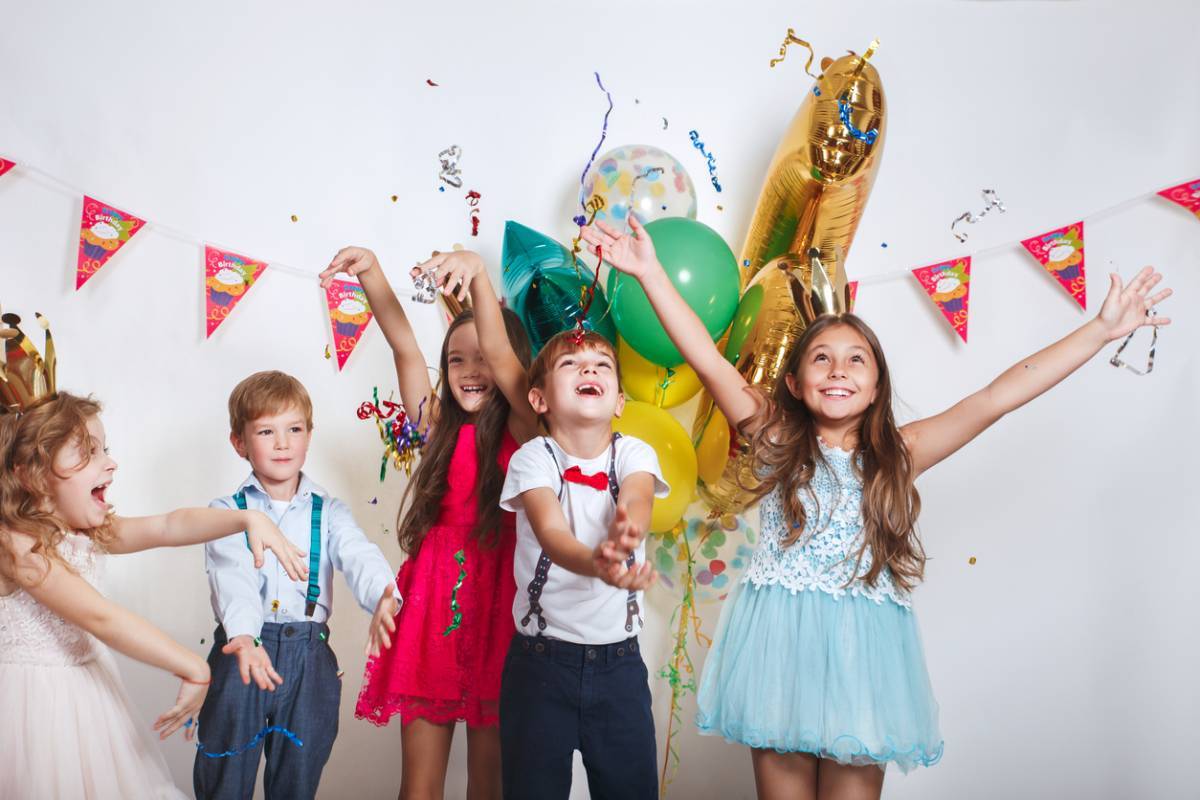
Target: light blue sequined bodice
[[823, 558]]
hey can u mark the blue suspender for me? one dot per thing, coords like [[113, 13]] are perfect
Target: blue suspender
[[314, 550]]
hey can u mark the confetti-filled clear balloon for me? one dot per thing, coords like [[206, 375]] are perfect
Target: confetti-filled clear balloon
[[649, 182]]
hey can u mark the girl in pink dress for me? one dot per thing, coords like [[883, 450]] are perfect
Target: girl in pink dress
[[456, 622]]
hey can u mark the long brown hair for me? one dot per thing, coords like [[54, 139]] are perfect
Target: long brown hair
[[786, 451], [29, 443], [425, 490]]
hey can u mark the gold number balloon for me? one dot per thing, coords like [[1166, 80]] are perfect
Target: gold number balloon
[[811, 201], [818, 183]]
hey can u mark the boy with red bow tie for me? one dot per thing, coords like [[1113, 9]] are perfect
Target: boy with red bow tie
[[574, 678]]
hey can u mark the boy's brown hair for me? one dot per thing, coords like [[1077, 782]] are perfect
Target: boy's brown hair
[[265, 393], [569, 341]]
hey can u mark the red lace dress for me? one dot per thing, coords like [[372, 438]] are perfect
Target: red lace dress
[[429, 673]]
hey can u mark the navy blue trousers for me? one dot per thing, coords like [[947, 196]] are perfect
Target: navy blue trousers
[[233, 713], [557, 697]]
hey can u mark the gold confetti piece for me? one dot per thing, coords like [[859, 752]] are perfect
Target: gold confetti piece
[[395, 198], [971, 560], [295, 218], [456, 247], [720, 208], [341, 672], [274, 605], [328, 355]]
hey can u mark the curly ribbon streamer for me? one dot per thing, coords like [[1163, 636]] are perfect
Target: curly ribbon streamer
[[680, 672], [1116, 359], [603, 134], [258, 737], [712, 162], [450, 172], [473, 201], [866, 136], [991, 200], [862, 61], [402, 438], [791, 39], [455, 608]]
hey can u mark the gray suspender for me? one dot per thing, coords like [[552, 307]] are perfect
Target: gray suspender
[[542, 570]]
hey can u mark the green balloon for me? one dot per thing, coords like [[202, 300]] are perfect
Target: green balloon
[[743, 322], [703, 270]]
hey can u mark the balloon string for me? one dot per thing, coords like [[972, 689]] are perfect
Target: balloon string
[[603, 135]]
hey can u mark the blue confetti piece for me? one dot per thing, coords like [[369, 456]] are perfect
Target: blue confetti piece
[[712, 162], [581, 220]]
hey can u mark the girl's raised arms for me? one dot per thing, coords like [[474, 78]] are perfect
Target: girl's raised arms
[[634, 255], [1125, 309]]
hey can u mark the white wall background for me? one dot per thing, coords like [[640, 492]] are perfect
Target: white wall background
[[1061, 659]]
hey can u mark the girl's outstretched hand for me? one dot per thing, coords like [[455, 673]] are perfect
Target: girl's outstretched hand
[[453, 272], [350, 260], [631, 253], [1127, 308]]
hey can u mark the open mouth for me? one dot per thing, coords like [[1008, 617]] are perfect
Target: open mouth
[[98, 494], [589, 390], [836, 393], [472, 388]]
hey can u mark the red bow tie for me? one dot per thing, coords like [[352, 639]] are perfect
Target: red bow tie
[[598, 481]]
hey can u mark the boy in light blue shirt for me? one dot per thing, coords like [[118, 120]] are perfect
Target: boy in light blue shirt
[[271, 661]]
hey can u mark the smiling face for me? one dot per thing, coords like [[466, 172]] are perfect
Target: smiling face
[[275, 444], [467, 372], [579, 386], [82, 473], [837, 377]]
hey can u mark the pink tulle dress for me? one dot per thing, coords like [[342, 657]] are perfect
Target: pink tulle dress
[[434, 670]]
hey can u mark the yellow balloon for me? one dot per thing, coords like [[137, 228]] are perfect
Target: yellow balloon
[[644, 381], [712, 448], [676, 458]]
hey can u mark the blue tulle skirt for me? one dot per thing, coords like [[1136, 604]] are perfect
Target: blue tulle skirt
[[840, 677]]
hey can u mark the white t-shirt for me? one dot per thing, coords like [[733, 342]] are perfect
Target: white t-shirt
[[575, 608]]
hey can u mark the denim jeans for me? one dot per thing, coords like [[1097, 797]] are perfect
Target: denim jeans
[[233, 713]]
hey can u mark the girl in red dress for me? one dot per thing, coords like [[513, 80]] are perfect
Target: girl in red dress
[[445, 663]]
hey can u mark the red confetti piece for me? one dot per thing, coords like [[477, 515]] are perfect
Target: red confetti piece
[[430, 82]]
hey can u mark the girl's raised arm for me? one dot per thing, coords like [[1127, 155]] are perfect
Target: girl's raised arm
[[411, 370], [1125, 309], [634, 255], [463, 271]]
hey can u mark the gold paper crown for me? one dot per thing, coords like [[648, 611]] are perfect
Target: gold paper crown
[[828, 294], [26, 376]]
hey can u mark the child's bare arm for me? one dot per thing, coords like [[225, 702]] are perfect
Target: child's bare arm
[[186, 526], [411, 370], [75, 600], [935, 438], [554, 533], [633, 253]]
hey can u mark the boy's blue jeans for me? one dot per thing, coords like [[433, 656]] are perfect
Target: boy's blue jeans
[[557, 697], [233, 713]]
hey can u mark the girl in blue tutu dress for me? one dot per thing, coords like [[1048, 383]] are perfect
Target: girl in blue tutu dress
[[817, 662]]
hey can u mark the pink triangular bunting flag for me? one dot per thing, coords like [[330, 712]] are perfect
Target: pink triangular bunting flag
[[1185, 194], [1061, 252], [349, 314], [103, 230], [227, 279], [948, 284], [6, 165]]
